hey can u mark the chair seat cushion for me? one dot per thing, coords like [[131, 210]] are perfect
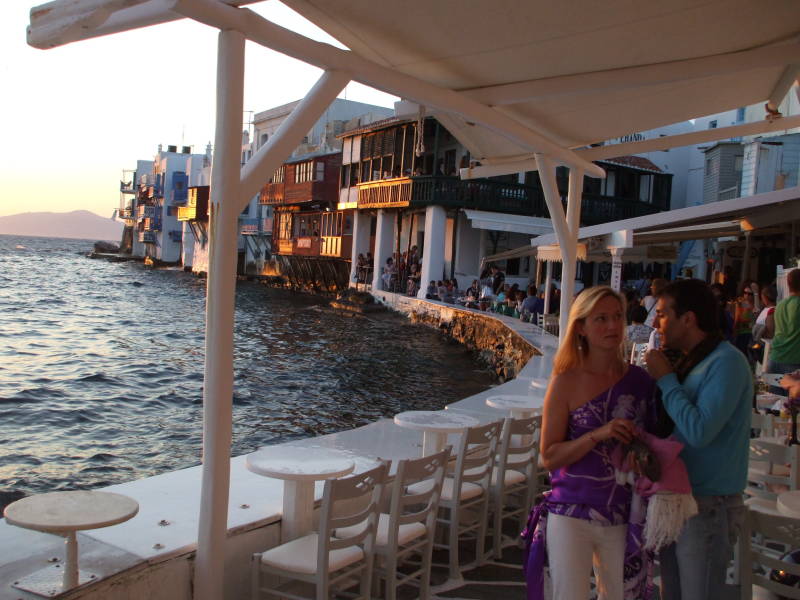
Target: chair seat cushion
[[405, 533], [511, 477], [300, 556], [468, 490]]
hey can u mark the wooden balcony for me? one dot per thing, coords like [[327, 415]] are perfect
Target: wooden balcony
[[196, 208], [485, 194], [271, 193]]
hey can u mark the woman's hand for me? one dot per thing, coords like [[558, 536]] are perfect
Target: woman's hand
[[622, 430]]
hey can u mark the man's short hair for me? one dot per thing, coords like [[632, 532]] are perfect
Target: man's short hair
[[696, 296], [793, 280]]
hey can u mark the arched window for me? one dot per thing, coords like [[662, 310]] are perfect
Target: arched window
[[264, 138]]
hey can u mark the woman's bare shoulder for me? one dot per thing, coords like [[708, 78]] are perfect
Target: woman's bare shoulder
[[566, 380]]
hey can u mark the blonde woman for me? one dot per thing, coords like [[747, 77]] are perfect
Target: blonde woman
[[594, 402]]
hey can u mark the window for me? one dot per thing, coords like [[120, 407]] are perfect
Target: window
[[645, 188], [277, 176], [738, 162], [344, 177], [320, 171], [712, 124], [284, 226], [740, 115], [304, 171], [264, 138]]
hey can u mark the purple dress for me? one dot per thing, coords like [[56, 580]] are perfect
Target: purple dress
[[588, 489]]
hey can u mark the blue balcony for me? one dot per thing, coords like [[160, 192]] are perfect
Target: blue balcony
[[147, 237], [248, 226]]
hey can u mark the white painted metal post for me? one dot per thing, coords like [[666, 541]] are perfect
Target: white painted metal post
[[220, 303], [548, 283], [383, 247], [433, 252], [574, 197], [361, 227]]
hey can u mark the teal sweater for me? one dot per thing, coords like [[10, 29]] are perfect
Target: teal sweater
[[711, 410]]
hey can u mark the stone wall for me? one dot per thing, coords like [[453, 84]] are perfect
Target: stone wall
[[501, 348]]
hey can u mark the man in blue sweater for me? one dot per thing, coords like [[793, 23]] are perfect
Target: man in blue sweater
[[708, 394]]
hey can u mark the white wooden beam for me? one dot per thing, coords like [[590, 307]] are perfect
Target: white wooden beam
[[280, 145], [260, 30], [65, 21], [689, 139], [632, 77], [220, 301]]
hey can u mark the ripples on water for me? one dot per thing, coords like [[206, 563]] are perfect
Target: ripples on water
[[101, 368]]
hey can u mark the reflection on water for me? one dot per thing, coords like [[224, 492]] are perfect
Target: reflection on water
[[101, 368]]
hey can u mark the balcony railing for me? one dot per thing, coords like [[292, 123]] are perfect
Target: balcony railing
[[484, 194], [604, 209], [126, 187], [249, 226], [147, 237], [331, 246], [271, 193]]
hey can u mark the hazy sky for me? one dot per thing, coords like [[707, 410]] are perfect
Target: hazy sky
[[73, 117]]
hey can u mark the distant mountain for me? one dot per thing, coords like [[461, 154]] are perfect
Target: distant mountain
[[80, 224]]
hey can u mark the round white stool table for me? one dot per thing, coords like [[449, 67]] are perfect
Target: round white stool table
[[520, 407], [299, 468], [789, 504], [65, 513], [434, 425]]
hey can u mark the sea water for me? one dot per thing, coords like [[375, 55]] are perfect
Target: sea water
[[101, 368]]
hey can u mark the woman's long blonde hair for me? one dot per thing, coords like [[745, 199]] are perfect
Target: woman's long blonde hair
[[572, 351]]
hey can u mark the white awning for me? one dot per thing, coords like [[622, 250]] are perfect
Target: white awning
[[494, 221], [716, 219]]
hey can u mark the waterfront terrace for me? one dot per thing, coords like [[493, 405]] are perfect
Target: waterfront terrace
[[526, 86]]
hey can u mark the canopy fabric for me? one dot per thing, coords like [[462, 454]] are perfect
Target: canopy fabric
[[574, 74], [494, 221]]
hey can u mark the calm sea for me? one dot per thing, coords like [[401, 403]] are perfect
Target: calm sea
[[101, 368]]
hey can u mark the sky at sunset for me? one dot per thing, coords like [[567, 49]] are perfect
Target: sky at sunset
[[73, 117]]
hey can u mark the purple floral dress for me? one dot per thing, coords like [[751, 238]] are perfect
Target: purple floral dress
[[588, 488]]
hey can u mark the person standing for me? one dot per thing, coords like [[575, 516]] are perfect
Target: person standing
[[708, 395], [595, 400], [784, 354], [743, 318], [649, 301]]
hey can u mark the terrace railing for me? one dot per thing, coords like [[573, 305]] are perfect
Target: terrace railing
[[484, 194]]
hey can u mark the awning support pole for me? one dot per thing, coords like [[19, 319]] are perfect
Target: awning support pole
[[220, 304], [566, 228]]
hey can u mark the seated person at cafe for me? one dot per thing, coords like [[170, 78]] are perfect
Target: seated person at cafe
[[637, 332], [432, 293], [441, 290], [533, 304], [473, 292]]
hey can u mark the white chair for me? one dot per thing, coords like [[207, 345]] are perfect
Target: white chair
[[516, 476], [407, 530], [319, 565], [758, 562], [764, 424], [466, 491], [773, 468]]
